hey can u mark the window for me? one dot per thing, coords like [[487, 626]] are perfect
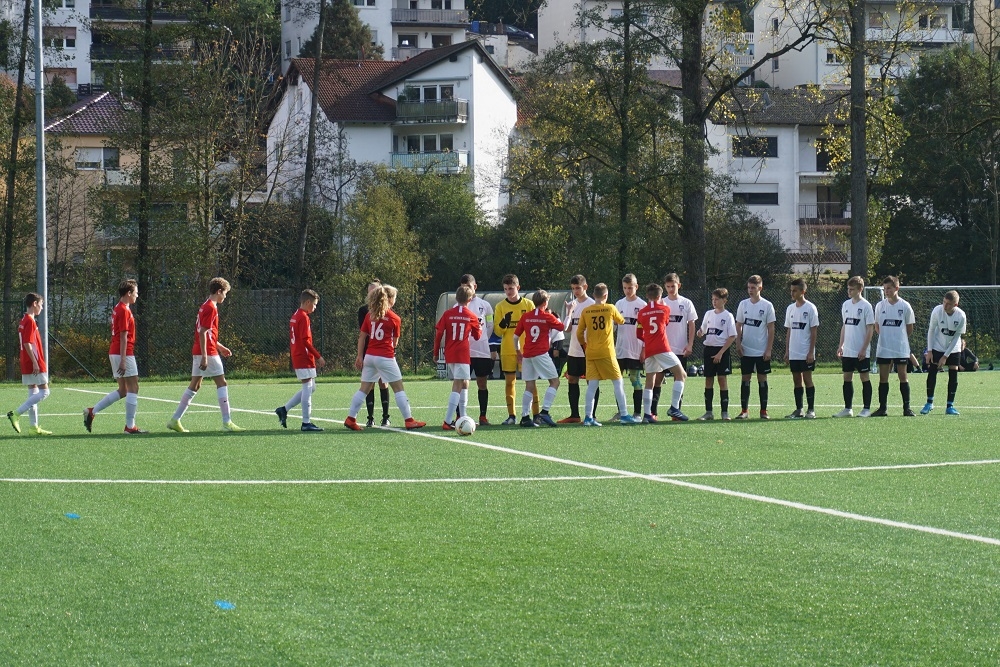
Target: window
[[755, 147], [447, 92], [69, 4], [97, 158], [288, 49], [447, 142], [440, 40], [59, 38], [616, 13], [832, 57], [932, 21], [437, 4], [774, 64], [822, 154], [409, 41], [876, 20], [774, 26], [430, 143], [430, 93], [756, 198], [288, 11], [490, 49], [364, 3]]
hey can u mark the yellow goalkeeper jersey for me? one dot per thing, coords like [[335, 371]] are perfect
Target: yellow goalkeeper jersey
[[505, 318], [597, 330]]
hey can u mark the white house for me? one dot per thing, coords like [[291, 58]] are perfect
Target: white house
[[771, 143], [450, 110], [403, 28]]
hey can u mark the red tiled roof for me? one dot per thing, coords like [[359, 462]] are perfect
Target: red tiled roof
[[344, 87], [99, 114]]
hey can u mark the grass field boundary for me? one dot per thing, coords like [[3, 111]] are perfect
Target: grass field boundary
[[809, 471], [306, 482]]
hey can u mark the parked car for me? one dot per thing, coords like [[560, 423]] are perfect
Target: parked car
[[514, 32]]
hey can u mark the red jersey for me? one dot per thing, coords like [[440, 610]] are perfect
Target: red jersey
[[122, 324], [456, 326], [27, 332], [382, 334], [536, 325], [301, 341], [208, 320], [652, 327]]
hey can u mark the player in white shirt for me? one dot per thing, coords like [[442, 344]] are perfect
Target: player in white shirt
[[719, 331], [628, 347], [576, 361], [857, 327], [944, 341], [680, 329], [893, 323], [481, 358], [802, 325], [755, 320]]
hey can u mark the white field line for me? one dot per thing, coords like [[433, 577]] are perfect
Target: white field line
[[679, 482], [304, 482], [902, 466]]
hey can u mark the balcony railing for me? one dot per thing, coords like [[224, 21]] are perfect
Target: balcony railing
[[438, 111], [434, 16], [132, 14], [827, 213], [116, 53], [444, 163], [405, 52], [115, 178]]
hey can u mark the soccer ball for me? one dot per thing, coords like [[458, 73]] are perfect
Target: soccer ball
[[465, 425]]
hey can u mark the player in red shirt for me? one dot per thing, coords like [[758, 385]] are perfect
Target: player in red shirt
[[536, 363], [657, 357], [456, 326], [305, 360], [34, 372], [380, 330], [122, 356], [206, 361]]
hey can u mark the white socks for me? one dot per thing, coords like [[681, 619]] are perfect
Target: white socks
[[454, 403], [526, 398], [647, 401], [619, 386], [294, 400], [35, 396], [356, 402], [677, 395], [182, 407], [107, 401], [131, 407], [592, 387], [403, 403], [550, 398], [307, 400], [463, 402], [223, 394]]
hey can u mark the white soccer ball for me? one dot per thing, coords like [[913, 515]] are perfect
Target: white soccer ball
[[465, 425]]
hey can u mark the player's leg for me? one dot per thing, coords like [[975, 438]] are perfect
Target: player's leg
[[746, 374], [847, 367], [451, 412], [677, 394], [283, 410], [508, 366], [866, 389], [807, 380], [636, 383], [383, 396], [763, 368], [952, 383], [592, 387], [904, 388], [308, 389], [932, 373], [189, 393], [709, 393], [403, 403], [222, 394], [131, 386], [884, 366], [482, 386], [575, 369], [799, 390], [724, 396], [370, 405], [369, 376]]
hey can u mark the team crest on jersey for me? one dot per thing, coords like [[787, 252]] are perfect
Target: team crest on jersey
[[761, 312]]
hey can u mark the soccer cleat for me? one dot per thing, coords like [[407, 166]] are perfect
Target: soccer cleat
[[545, 418], [628, 419], [230, 426], [88, 418], [569, 420], [370, 423], [135, 430], [590, 421], [648, 419], [880, 413], [950, 410], [309, 427], [175, 425], [743, 415], [865, 413], [615, 418], [385, 422], [445, 426], [707, 417], [677, 415], [637, 416], [764, 415], [725, 416], [510, 421], [846, 412], [810, 414], [282, 413], [908, 413], [796, 414], [412, 423], [928, 406], [38, 430], [483, 421], [13, 421], [528, 422], [352, 424]]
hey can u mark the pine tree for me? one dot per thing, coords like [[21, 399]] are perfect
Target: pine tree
[[346, 37]]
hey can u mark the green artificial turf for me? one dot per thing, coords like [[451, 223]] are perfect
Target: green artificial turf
[[435, 549]]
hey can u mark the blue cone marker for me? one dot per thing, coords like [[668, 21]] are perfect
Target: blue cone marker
[[71, 515], [222, 604]]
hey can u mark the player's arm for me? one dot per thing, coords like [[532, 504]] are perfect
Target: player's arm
[[869, 332], [555, 323], [739, 336], [813, 333], [770, 341], [203, 341], [928, 356], [690, 346], [488, 321], [618, 317], [700, 333], [438, 336], [788, 340], [475, 330], [122, 349], [307, 340], [840, 345], [33, 354]]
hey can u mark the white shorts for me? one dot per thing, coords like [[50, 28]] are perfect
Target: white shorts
[[384, 367], [214, 367], [35, 378], [305, 373], [460, 371], [131, 370], [538, 368], [663, 361]]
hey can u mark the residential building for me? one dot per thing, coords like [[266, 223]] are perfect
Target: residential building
[[449, 110]]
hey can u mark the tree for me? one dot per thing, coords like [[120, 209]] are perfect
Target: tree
[[345, 37]]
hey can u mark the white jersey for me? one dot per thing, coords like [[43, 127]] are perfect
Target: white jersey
[[571, 320], [891, 319], [755, 317], [627, 345], [718, 328], [480, 349], [800, 321], [682, 311], [855, 318], [944, 333]]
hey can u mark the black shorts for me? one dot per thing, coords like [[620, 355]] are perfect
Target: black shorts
[[724, 367], [886, 361], [558, 350], [853, 364], [954, 359], [751, 365], [576, 366], [801, 366], [629, 365], [481, 367]]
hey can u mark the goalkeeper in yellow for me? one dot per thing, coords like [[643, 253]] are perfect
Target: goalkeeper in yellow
[[596, 333], [506, 315]]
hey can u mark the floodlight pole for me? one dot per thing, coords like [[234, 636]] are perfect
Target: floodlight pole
[[42, 258]]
